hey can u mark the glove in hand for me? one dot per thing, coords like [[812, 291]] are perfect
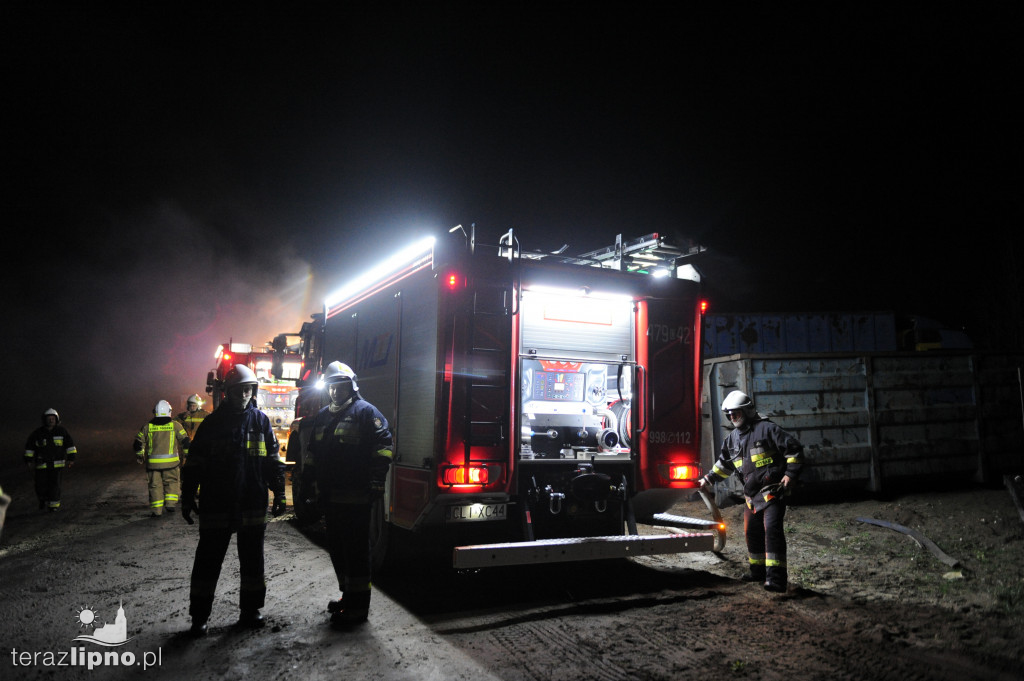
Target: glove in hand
[[188, 507]]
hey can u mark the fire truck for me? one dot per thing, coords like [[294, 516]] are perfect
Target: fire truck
[[277, 368], [541, 404]]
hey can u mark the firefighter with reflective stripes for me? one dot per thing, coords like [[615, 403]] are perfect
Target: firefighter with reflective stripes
[[768, 461], [193, 415], [234, 456], [347, 462], [49, 450], [161, 445]]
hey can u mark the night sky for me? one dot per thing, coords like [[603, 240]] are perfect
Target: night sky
[[177, 177]]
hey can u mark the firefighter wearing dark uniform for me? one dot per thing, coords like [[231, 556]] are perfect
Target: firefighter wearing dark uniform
[[161, 444], [49, 449], [768, 461], [193, 415], [347, 462], [234, 456]]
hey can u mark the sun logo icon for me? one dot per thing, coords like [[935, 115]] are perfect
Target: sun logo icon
[[87, 618]]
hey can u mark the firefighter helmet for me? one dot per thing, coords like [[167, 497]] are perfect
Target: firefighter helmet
[[240, 375], [336, 371], [50, 412], [738, 403], [194, 399], [162, 408], [736, 400]]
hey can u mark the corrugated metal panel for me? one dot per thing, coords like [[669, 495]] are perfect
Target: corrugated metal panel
[[576, 328], [729, 334], [868, 418]]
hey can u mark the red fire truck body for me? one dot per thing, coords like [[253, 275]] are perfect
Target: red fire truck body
[[540, 405]]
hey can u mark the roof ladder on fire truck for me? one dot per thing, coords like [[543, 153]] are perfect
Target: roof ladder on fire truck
[[647, 253]]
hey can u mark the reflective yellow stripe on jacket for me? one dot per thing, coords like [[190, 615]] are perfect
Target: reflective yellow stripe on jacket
[[161, 444]]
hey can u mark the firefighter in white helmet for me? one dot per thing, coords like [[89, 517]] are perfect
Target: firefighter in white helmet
[[161, 444], [193, 415], [49, 450], [768, 461], [234, 456], [347, 462]]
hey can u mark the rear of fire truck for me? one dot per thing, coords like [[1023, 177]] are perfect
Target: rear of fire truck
[[541, 405]]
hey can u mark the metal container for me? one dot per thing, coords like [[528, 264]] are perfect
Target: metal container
[[872, 418], [729, 334]]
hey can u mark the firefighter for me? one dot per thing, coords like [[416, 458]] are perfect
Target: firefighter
[[768, 461], [234, 456], [161, 445], [49, 450], [193, 415], [347, 462]]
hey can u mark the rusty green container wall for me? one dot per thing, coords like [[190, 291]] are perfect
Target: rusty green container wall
[[872, 418]]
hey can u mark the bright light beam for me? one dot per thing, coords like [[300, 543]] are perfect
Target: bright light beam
[[392, 264]]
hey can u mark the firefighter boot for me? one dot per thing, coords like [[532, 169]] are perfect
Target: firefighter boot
[[354, 609], [336, 606], [757, 574], [776, 579], [198, 629], [251, 619]]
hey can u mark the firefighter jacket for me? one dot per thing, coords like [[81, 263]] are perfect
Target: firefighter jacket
[[50, 447], [161, 444], [349, 452], [761, 453], [190, 420], [234, 457]]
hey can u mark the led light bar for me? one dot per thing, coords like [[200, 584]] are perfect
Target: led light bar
[[393, 264]]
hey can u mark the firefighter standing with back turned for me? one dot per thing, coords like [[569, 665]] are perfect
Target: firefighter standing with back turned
[[49, 450], [347, 462], [234, 456], [768, 461], [160, 445]]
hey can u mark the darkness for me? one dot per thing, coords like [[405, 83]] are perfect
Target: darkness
[[181, 176]]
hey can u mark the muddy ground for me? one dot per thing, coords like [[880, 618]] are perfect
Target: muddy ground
[[865, 602]]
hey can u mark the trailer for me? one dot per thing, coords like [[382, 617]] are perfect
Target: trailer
[[541, 405]]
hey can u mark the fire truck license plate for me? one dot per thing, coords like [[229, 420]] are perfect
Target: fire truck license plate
[[475, 512]]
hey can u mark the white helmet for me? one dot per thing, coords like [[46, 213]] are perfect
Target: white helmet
[[194, 399], [336, 371], [162, 408], [50, 412], [241, 375], [738, 401]]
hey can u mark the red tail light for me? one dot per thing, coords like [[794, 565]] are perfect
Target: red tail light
[[680, 472], [453, 280], [475, 475]]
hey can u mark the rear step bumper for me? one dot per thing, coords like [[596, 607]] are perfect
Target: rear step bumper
[[580, 548]]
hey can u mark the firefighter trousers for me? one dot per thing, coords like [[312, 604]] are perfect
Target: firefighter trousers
[[210, 553], [348, 543], [48, 486], [164, 489], [766, 543]]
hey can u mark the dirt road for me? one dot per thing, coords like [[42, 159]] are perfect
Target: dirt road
[[866, 602]]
